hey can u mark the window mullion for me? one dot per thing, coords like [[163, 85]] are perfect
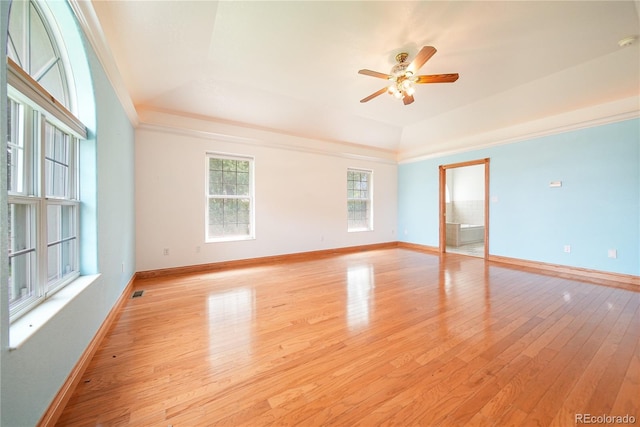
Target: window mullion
[[31, 142], [27, 38], [74, 174], [42, 248], [40, 141]]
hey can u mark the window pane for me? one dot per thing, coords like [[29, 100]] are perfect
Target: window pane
[[22, 252], [216, 207], [242, 190], [229, 217], [53, 80], [22, 273], [230, 211], [61, 260], [229, 165], [15, 148], [61, 222], [358, 185], [229, 181], [215, 182], [41, 48], [229, 177], [358, 214], [57, 162], [243, 178], [215, 164], [61, 242], [18, 40]]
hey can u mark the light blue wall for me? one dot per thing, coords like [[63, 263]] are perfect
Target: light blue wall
[[596, 209], [33, 374]]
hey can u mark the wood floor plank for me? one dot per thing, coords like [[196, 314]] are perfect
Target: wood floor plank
[[384, 337], [576, 371], [627, 401], [618, 365], [586, 383]]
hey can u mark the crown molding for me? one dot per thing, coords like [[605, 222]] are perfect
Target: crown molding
[[90, 24], [599, 115], [198, 127]]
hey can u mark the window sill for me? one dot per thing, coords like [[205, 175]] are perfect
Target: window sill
[[230, 239], [26, 326]]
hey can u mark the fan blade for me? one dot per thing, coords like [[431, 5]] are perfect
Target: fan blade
[[438, 78], [374, 74], [373, 95], [423, 56], [408, 99]]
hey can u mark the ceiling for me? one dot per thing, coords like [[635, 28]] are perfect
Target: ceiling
[[292, 66]]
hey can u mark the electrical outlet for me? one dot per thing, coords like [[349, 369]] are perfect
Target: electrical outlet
[[613, 253], [165, 251], [567, 249]]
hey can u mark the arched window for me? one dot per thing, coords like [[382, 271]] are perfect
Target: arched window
[[33, 47], [43, 141]]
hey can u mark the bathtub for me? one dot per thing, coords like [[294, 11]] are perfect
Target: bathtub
[[462, 234]]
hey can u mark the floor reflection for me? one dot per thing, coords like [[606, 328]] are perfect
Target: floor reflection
[[460, 284], [447, 282], [230, 324], [360, 295]]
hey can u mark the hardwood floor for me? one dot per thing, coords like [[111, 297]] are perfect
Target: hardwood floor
[[393, 337]]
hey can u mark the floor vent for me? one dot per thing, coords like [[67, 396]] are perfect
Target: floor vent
[[137, 294]]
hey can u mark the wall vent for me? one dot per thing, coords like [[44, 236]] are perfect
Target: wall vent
[[137, 294]]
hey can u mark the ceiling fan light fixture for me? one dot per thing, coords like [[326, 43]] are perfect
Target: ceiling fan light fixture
[[627, 41], [402, 78], [399, 70], [398, 94], [410, 90]]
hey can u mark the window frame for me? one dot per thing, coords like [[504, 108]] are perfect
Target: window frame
[[251, 235], [34, 121], [351, 228], [37, 68]]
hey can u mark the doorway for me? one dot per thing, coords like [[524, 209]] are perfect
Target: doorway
[[464, 208]]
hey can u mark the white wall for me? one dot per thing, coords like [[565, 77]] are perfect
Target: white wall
[[467, 182], [300, 193]]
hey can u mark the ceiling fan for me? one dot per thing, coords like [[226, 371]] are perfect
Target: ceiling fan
[[403, 76]]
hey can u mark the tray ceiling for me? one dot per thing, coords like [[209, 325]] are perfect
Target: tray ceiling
[[292, 66]]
